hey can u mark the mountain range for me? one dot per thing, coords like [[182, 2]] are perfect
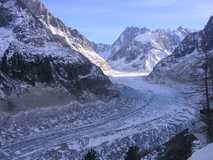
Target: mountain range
[[140, 49]]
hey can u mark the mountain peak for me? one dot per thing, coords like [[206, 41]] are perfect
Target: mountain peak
[[187, 59], [181, 28], [140, 49], [36, 7], [210, 23], [132, 29]]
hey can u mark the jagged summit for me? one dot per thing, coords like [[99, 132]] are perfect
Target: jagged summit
[[135, 29], [68, 36], [188, 58], [140, 49], [180, 28]]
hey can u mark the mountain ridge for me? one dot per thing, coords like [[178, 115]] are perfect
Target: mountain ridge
[[70, 37], [188, 58], [140, 49], [30, 54]]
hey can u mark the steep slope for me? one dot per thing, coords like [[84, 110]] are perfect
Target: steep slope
[[140, 49], [188, 58], [68, 36], [102, 49], [33, 56]]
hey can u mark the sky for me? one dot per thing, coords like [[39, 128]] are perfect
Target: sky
[[104, 20]]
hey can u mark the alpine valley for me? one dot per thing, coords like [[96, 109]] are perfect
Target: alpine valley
[[62, 95]]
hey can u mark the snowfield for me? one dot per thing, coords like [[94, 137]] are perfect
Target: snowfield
[[115, 73], [146, 115], [205, 153]]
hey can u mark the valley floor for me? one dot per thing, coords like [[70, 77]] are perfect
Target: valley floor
[[153, 114]]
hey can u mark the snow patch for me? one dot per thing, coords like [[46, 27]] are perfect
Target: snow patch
[[205, 153], [6, 36]]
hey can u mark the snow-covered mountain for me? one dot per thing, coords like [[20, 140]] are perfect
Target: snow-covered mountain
[[38, 51], [67, 35], [187, 60], [140, 49]]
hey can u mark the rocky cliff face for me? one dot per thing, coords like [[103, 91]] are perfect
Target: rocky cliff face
[[66, 35], [140, 49], [187, 60], [36, 47]]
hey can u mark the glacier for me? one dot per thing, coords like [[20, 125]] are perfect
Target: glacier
[[146, 115]]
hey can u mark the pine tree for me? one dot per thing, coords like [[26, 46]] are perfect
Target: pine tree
[[211, 75], [133, 153], [204, 82], [206, 79], [91, 155], [4, 66]]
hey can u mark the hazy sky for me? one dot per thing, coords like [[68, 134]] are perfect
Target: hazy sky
[[104, 20]]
